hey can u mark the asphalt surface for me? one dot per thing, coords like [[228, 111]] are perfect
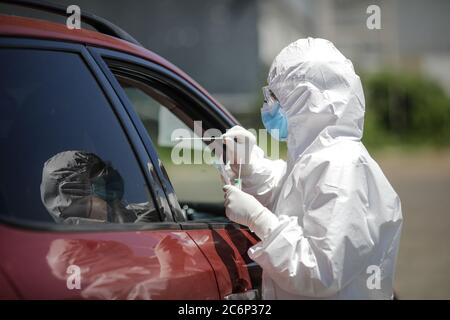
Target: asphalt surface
[[422, 180]]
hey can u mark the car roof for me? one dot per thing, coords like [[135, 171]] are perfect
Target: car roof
[[14, 26]]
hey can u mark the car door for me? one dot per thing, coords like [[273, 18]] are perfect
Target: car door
[[160, 103], [83, 214]]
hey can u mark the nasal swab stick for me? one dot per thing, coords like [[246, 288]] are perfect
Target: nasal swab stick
[[199, 138], [203, 138]]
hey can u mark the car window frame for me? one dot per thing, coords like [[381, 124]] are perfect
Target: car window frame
[[145, 164], [154, 70]]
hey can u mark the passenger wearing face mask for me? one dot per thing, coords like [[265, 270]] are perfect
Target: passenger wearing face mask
[[328, 216]]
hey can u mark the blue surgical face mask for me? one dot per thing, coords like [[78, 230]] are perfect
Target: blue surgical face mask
[[275, 120]]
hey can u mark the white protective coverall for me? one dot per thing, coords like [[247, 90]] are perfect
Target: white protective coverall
[[339, 219]]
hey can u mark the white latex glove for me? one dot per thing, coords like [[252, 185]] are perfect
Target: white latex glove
[[239, 145], [243, 208]]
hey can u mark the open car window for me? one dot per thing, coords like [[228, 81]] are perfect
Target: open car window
[[163, 112]]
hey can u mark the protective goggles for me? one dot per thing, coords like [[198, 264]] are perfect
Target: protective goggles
[[269, 96]]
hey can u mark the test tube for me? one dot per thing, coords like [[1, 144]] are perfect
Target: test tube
[[238, 181]]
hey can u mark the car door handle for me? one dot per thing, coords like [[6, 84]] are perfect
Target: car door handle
[[247, 295]]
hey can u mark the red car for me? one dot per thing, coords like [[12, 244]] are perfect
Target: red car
[[87, 209]]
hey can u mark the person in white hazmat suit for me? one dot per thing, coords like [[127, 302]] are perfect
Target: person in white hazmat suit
[[328, 219]]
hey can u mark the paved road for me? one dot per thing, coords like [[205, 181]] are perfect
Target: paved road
[[423, 183]]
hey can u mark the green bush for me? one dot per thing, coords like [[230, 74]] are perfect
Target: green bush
[[405, 109]]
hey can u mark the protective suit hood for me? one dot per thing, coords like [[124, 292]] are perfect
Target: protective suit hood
[[320, 93]]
